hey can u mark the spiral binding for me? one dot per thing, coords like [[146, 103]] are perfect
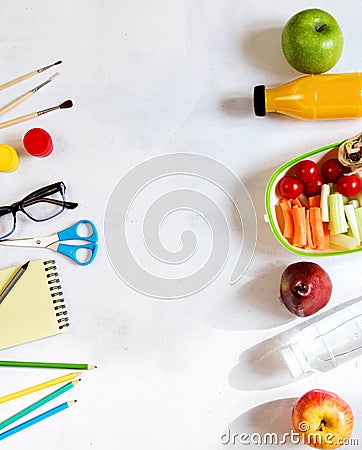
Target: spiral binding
[[56, 293]]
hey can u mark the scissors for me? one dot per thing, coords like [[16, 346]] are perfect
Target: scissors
[[54, 242]]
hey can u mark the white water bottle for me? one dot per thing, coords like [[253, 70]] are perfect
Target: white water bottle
[[325, 341]]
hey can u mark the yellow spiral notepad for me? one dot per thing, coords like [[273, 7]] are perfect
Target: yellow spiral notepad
[[35, 307]]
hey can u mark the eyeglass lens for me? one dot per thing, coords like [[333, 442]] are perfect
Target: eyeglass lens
[[43, 208], [7, 222]]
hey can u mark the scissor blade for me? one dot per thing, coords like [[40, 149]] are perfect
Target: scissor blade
[[28, 242]]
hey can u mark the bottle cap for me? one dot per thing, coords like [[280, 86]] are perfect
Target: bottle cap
[[259, 101], [9, 159], [38, 142]]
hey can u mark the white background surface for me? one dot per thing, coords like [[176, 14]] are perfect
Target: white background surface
[[149, 78]]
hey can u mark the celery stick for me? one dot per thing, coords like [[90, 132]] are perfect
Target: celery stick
[[352, 221], [354, 203], [358, 212], [325, 192], [344, 241], [337, 218]]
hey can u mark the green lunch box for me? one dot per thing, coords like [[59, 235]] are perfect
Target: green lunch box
[[271, 200]]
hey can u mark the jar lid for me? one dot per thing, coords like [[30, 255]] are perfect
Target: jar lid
[[9, 159], [38, 142]]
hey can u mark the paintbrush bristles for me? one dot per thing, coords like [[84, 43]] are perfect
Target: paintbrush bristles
[[54, 76], [44, 83], [66, 104], [48, 67]]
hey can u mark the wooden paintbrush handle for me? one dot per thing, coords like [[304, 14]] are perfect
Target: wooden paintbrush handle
[[15, 102], [11, 122], [18, 80]]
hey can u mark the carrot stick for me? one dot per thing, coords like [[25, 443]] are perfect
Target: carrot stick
[[300, 232], [316, 224], [315, 201], [296, 202], [288, 219], [310, 243]]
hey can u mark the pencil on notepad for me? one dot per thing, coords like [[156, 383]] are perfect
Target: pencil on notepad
[[36, 419], [38, 387], [38, 404], [47, 365]]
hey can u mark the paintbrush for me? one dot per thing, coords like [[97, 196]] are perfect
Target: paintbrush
[[9, 123], [26, 95], [28, 75]]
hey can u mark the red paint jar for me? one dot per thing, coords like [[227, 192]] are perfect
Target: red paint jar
[[38, 142]]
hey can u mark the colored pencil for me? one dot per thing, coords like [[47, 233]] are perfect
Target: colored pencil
[[37, 404], [40, 386], [36, 419], [47, 365]]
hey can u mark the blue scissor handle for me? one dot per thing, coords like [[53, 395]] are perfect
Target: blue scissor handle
[[71, 233], [71, 252]]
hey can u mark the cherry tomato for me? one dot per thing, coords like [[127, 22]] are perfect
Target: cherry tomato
[[306, 170], [290, 187], [332, 169], [349, 185], [313, 187]]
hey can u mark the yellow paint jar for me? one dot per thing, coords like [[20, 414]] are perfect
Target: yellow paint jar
[[9, 159]]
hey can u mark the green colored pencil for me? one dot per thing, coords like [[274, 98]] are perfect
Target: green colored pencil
[[37, 404], [47, 365]]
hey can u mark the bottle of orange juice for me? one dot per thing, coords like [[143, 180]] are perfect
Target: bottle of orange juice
[[313, 97]]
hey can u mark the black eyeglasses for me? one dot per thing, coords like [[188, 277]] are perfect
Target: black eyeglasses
[[42, 204]]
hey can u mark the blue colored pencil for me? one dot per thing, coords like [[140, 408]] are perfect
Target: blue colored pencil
[[36, 419], [37, 404]]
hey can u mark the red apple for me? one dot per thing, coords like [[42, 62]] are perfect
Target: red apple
[[322, 419], [305, 288]]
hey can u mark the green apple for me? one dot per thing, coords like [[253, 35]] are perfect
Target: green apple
[[312, 41]]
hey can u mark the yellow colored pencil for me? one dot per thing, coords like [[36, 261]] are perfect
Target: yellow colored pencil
[[40, 386]]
